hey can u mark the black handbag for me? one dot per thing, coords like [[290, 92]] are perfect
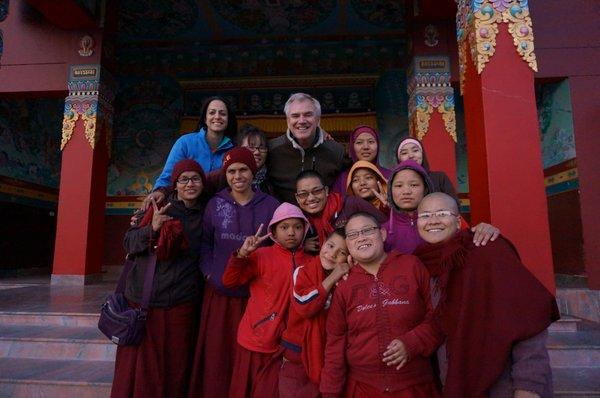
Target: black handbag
[[122, 324]]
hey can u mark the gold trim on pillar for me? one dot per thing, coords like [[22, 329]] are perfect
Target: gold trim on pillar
[[477, 27], [429, 89], [91, 103]]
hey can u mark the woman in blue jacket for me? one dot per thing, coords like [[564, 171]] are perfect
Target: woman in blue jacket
[[216, 131]]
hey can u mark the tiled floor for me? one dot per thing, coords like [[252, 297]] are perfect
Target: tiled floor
[[42, 297]]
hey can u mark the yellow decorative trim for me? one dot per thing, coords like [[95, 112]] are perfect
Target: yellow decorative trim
[[69, 120], [477, 28], [420, 121], [564, 176], [485, 32], [84, 107], [521, 29], [449, 118]]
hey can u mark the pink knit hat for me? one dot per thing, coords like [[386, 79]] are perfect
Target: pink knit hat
[[285, 211], [405, 142]]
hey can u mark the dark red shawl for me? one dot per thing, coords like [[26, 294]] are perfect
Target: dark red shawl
[[171, 239], [321, 222], [489, 301]]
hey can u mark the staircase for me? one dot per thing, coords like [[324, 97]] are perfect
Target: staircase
[[574, 348], [52, 353], [50, 346]]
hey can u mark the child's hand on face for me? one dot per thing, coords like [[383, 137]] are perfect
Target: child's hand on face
[[340, 271], [252, 243]]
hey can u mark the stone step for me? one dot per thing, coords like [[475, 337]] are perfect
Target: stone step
[[580, 349], [49, 318], [21, 377], [576, 382], [55, 342], [565, 324]]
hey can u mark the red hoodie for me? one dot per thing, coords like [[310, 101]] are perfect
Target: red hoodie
[[268, 271], [368, 312], [305, 330]]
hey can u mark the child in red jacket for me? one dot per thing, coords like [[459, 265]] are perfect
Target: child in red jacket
[[304, 337], [268, 271], [380, 327]]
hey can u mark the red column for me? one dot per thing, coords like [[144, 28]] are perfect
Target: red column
[[81, 202], [431, 111], [505, 162]]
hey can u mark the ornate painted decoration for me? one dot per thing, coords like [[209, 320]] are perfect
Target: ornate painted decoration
[[275, 17], [3, 9], [431, 36], [477, 27], [429, 89], [387, 14], [86, 46], [84, 102]]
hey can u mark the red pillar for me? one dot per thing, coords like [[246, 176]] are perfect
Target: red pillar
[[81, 202], [431, 111], [505, 162]]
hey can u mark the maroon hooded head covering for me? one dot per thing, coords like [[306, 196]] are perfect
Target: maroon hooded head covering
[[358, 131]]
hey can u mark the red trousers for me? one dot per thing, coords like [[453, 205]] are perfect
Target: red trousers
[[217, 344], [356, 389], [293, 380], [256, 374], [160, 365]]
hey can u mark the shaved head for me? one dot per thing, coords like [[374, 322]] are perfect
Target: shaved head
[[444, 200]]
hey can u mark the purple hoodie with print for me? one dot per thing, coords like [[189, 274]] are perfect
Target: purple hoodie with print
[[402, 232], [339, 185], [225, 226]]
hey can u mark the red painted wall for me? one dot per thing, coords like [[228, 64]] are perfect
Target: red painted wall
[[566, 233], [567, 40], [37, 55]]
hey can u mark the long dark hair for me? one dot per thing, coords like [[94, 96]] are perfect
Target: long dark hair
[[231, 129]]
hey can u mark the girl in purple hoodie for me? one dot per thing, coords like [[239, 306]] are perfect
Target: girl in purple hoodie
[[363, 145], [407, 186], [231, 215]]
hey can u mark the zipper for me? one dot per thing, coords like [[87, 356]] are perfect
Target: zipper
[[114, 313], [270, 317], [294, 260]]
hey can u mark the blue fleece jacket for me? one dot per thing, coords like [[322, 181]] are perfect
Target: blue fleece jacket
[[193, 146]]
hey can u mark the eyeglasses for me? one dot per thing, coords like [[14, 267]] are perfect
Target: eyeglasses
[[315, 192], [184, 180], [261, 148], [364, 232], [428, 215]]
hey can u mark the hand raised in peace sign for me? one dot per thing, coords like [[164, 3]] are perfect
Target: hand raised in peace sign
[[159, 216], [382, 198], [252, 243]]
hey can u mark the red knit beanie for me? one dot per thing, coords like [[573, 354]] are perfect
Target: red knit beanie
[[239, 155], [187, 165]]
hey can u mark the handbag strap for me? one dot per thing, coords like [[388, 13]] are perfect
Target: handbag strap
[[149, 262], [123, 278], [148, 279]]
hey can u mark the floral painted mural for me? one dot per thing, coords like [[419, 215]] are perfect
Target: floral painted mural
[[146, 126], [555, 115], [30, 133]]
